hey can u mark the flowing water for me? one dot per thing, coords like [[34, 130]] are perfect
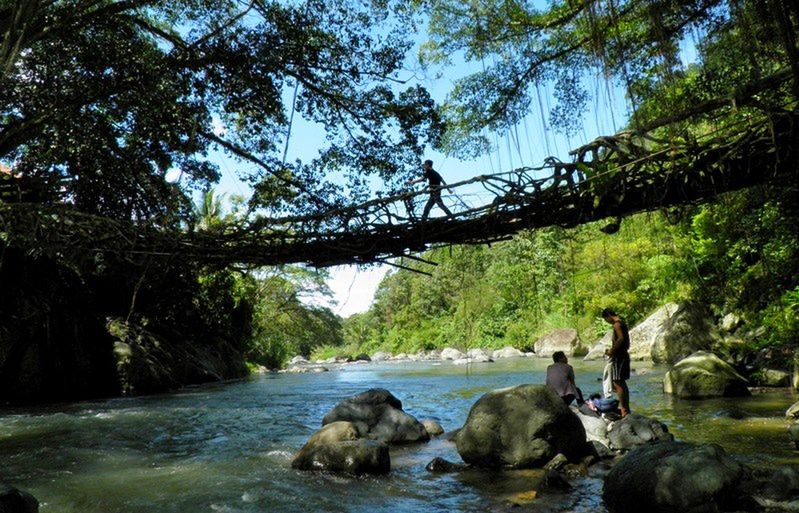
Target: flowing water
[[227, 447]]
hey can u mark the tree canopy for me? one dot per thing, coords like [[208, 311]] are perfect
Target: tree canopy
[[101, 98], [579, 48]]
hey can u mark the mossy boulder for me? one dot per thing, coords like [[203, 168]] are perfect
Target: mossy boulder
[[703, 374], [150, 361], [352, 457], [520, 427], [675, 477]]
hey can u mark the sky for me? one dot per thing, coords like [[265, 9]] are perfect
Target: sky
[[529, 144]]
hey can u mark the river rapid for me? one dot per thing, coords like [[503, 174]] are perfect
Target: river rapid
[[227, 447]]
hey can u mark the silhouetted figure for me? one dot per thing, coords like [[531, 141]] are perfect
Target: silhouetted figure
[[435, 182], [619, 354]]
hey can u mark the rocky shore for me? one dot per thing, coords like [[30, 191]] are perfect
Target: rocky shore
[[529, 427]]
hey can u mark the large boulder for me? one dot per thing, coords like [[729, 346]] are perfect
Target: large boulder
[[332, 433], [703, 374], [519, 427], [381, 356], [506, 352], [793, 433], [449, 353], [635, 430], [673, 332], [479, 355], [378, 415], [298, 360], [17, 501], [565, 340], [675, 477], [432, 427], [353, 457], [647, 338], [793, 411], [597, 351], [772, 378], [339, 431]]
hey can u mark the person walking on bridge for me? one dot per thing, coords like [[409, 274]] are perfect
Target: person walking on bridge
[[435, 182]]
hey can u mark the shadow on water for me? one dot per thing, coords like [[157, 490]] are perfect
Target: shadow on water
[[227, 448]]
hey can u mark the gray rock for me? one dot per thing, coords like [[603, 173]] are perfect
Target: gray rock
[[634, 430], [352, 457], [730, 322], [565, 340], [378, 415], [647, 338], [675, 476], [362, 357], [597, 351], [601, 450], [519, 427], [690, 329], [13, 500], [339, 431], [793, 432], [703, 374], [298, 360], [507, 352], [556, 463], [432, 427], [773, 378], [596, 429], [478, 354], [449, 353], [381, 356], [435, 354], [400, 356], [440, 465]]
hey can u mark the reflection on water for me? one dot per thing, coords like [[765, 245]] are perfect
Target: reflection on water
[[227, 448]]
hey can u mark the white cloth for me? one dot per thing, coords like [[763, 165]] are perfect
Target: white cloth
[[607, 382]]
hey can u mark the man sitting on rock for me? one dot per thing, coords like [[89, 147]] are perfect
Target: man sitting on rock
[[560, 378]]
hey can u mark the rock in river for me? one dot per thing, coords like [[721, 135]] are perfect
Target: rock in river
[[703, 374], [354, 457], [519, 427], [675, 477], [432, 427], [634, 430], [378, 415], [17, 501]]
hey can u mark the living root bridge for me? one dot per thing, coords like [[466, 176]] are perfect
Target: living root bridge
[[611, 177]]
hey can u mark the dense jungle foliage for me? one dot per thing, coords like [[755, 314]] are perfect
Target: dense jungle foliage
[[740, 254]]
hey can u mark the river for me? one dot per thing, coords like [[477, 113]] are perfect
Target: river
[[227, 447]]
